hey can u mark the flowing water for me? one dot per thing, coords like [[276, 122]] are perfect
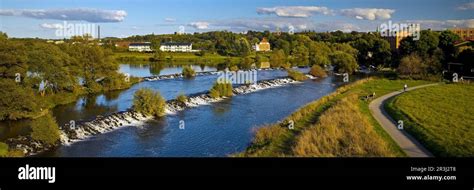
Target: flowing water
[[215, 129]]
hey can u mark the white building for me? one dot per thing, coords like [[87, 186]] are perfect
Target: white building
[[140, 47], [177, 47]]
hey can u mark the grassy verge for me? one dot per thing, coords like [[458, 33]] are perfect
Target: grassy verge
[[278, 140], [138, 57], [440, 117]]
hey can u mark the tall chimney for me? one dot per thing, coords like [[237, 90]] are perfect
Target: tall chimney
[[98, 32]]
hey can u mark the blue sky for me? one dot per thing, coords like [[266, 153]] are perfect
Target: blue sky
[[120, 18]]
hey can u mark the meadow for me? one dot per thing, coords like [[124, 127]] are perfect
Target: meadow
[[440, 117]]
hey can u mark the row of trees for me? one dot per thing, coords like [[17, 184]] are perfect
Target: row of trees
[[35, 75], [431, 53], [308, 53], [309, 48]]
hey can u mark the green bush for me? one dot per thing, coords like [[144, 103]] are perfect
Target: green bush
[[317, 71], [188, 72], [3, 149], [45, 129], [344, 62], [221, 89], [296, 75], [117, 81], [182, 98], [148, 102]]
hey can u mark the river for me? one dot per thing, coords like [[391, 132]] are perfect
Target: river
[[217, 129]]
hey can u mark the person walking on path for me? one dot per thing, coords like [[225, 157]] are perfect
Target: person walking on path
[[405, 88]]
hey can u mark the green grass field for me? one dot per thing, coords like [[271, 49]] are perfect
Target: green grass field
[[276, 140], [440, 117]]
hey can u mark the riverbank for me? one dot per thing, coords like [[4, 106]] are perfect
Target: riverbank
[[318, 127], [138, 57]]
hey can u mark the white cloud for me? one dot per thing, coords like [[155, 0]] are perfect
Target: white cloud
[[466, 6], [295, 11], [300, 24], [284, 24], [170, 19], [444, 24], [83, 14], [51, 26], [199, 25], [368, 13]]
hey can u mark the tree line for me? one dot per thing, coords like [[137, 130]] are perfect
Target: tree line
[[36, 75]]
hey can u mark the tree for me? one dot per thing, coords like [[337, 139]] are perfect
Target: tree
[[424, 47], [221, 89], [381, 53], [17, 101], [92, 63], [446, 43], [3, 35], [300, 55], [411, 65], [319, 53], [12, 59], [148, 102], [344, 47], [283, 45], [243, 48], [159, 55], [50, 64], [277, 58], [117, 81], [246, 63], [188, 72], [372, 50], [258, 61], [45, 129], [317, 71], [343, 62]]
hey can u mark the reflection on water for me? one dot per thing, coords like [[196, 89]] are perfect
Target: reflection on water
[[10, 129], [145, 70]]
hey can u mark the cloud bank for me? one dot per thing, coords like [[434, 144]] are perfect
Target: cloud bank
[[368, 13], [295, 11], [466, 6], [78, 14], [51, 26], [199, 25]]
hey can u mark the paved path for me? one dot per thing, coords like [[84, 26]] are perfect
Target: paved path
[[408, 144]]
